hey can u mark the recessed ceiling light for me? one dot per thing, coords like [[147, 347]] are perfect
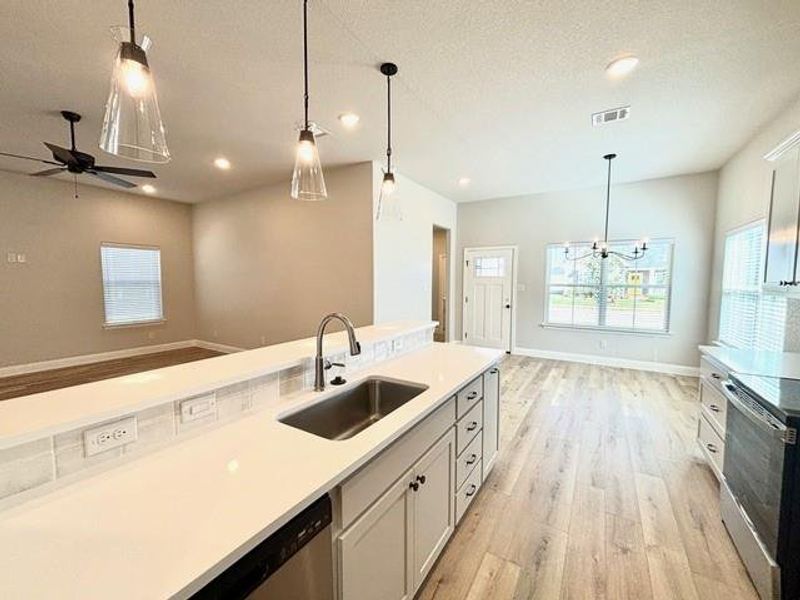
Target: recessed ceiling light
[[622, 66], [222, 163], [148, 189], [464, 181], [349, 119]]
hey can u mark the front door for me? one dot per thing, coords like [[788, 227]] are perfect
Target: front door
[[488, 281]]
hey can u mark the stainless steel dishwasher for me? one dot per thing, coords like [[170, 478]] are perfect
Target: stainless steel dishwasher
[[294, 563]]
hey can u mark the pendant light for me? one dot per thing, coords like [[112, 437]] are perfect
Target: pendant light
[[308, 183], [600, 249], [132, 126], [389, 184]]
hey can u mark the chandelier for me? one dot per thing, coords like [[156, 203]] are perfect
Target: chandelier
[[600, 249]]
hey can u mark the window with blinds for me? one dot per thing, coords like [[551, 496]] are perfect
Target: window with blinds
[[748, 317], [131, 284]]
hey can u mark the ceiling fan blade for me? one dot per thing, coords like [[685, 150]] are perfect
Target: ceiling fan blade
[[112, 179], [48, 172], [41, 160], [125, 171], [62, 154]]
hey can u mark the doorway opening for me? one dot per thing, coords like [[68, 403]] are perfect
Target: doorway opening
[[489, 306], [440, 286]]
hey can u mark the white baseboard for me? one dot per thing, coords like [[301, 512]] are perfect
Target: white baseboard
[[84, 359], [610, 361], [218, 347]]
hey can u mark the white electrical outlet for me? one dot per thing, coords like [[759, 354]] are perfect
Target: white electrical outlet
[[108, 436], [198, 408], [397, 345], [21, 258], [11, 257]]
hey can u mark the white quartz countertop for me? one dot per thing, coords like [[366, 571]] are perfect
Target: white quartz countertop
[[166, 523], [756, 362], [38, 415]]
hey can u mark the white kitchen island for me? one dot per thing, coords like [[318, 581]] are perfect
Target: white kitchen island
[[169, 521]]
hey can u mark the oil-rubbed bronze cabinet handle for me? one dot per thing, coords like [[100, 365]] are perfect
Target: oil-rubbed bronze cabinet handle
[[472, 489], [472, 395], [472, 426], [494, 371], [472, 459], [422, 479], [716, 376], [714, 407], [414, 485], [711, 448]]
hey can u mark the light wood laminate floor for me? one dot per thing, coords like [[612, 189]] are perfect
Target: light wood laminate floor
[[53, 379], [598, 492]]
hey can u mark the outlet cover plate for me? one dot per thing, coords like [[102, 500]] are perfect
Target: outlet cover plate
[[198, 408], [108, 436]]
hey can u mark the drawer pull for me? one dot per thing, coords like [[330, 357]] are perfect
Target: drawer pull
[[472, 426], [422, 479], [714, 408], [472, 489], [472, 395], [414, 485], [494, 371], [472, 459], [716, 376], [711, 448]]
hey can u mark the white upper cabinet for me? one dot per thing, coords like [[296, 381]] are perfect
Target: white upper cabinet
[[784, 214]]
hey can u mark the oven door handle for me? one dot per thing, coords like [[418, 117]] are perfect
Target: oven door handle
[[764, 420]]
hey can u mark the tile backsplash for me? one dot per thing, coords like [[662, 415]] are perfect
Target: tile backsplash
[[41, 463]]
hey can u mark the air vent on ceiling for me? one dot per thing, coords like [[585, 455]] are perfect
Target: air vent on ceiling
[[611, 116]]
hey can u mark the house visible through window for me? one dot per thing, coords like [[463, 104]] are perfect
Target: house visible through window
[[131, 284], [610, 293], [748, 318]]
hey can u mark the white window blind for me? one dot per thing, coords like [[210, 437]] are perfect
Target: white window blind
[[749, 318], [131, 284], [610, 293]]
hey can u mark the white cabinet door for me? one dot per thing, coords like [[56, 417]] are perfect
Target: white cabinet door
[[375, 551], [491, 418], [432, 499]]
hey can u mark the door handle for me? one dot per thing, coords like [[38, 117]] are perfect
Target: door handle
[[508, 306]]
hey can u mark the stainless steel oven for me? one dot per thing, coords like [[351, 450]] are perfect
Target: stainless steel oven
[[758, 475]]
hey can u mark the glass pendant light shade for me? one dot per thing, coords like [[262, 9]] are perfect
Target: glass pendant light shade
[[389, 184], [308, 183], [132, 127]]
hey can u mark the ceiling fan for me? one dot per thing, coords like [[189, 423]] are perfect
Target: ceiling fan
[[74, 161]]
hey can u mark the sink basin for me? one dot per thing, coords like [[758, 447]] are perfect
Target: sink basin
[[354, 409]]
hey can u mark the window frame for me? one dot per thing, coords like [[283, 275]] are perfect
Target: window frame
[[602, 305], [758, 290], [139, 323]]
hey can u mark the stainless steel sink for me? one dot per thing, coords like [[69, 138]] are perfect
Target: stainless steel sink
[[354, 409]]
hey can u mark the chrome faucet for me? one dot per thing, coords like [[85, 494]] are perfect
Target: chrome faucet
[[320, 364]]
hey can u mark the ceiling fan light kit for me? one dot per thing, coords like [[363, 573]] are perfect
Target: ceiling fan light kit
[[600, 249], [308, 181], [132, 126]]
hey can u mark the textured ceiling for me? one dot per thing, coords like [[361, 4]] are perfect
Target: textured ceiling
[[500, 92]]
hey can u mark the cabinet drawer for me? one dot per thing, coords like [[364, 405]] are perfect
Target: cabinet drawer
[[468, 427], [713, 372], [467, 492], [712, 446], [469, 458], [715, 406], [468, 396]]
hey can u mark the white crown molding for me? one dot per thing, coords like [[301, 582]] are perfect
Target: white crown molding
[[611, 361], [778, 151]]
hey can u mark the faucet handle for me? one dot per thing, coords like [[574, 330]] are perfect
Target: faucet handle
[[329, 364]]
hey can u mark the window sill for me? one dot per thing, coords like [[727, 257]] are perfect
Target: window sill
[[611, 330], [134, 324]]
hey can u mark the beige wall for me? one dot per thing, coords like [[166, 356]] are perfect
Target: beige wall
[[744, 193], [267, 267], [680, 207], [403, 246], [52, 305]]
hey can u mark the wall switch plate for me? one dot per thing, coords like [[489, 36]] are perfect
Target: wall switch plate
[[21, 258], [11, 257], [108, 436], [198, 408], [397, 345]]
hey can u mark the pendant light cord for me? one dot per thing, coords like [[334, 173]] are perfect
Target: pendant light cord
[[305, 62], [388, 124], [608, 200], [131, 23]]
